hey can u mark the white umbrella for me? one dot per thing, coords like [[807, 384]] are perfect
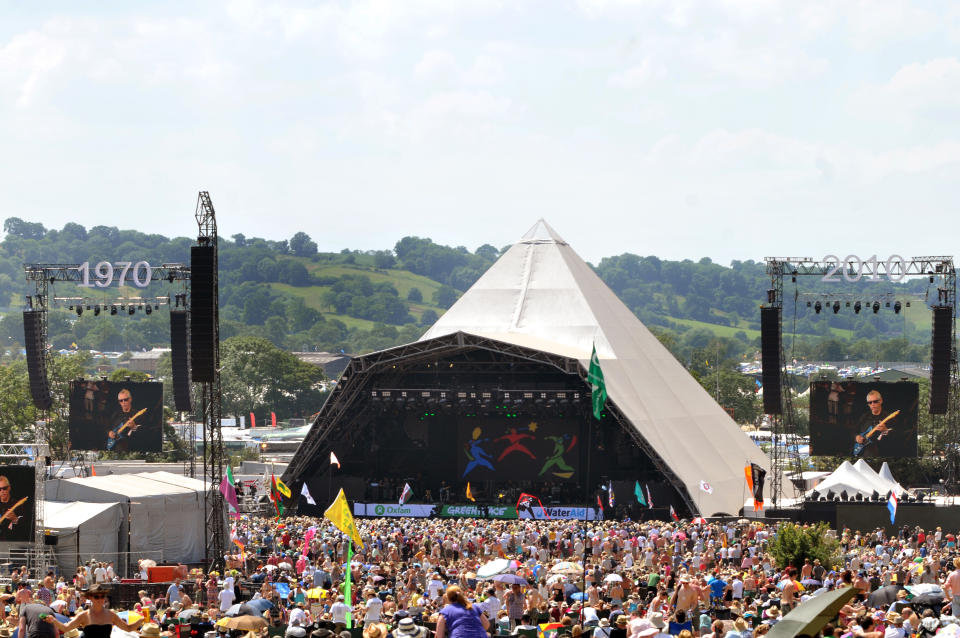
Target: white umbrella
[[556, 578], [285, 566], [493, 568], [613, 578]]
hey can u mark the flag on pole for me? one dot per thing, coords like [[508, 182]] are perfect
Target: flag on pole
[[334, 460], [639, 493], [273, 419], [305, 492], [253, 421], [405, 494], [649, 498], [611, 499], [598, 389], [339, 514], [470, 493], [755, 478], [525, 503], [348, 582], [229, 490], [600, 502], [283, 489], [892, 506], [276, 497], [673, 514], [706, 487]]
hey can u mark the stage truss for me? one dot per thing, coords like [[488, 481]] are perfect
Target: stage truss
[[939, 269]]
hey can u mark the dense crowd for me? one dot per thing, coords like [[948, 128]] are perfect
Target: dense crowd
[[470, 578]]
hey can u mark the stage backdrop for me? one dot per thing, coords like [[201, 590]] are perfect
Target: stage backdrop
[[16, 503], [839, 412], [103, 416], [523, 448]]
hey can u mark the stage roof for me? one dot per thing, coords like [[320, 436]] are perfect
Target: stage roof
[[541, 295]]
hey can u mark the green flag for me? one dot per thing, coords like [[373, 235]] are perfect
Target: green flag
[[639, 493], [347, 593], [598, 389]]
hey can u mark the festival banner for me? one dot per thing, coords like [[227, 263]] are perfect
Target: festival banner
[[562, 513], [478, 511]]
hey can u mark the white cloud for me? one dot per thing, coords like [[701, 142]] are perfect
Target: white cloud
[[436, 64], [634, 77], [26, 63]]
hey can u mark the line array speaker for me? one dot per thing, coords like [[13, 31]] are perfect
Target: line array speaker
[[940, 353], [180, 359], [201, 313], [770, 358], [36, 361]]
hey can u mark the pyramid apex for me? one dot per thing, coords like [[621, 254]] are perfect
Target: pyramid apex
[[541, 233]]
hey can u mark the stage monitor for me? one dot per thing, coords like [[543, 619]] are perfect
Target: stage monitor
[[518, 449], [117, 416], [16, 503], [863, 418]]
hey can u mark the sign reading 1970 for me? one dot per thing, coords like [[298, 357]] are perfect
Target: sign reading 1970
[[853, 268], [104, 272]]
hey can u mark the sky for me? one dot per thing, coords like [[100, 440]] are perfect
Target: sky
[[732, 129]]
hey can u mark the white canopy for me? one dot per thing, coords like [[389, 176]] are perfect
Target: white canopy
[[887, 475], [83, 531], [162, 512], [886, 485], [854, 479], [540, 294]]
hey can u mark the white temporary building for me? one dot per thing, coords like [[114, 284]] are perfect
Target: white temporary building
[[887, 475], [83, 531], [162, 513], [856, 479], [540, 294]]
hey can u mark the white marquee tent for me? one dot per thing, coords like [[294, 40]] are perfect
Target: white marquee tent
[[162, 514], [83, 531], [856, 479]]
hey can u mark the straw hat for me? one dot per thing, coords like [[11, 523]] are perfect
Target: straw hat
[[773, 612], [150, 630], [73, 633]]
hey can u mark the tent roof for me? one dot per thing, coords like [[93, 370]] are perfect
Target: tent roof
[[847, 477], [540, 294], [58, 515], [887, 475], [884, 485], [138, 485]]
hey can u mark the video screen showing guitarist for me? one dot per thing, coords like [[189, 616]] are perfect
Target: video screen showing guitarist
[[116, 416], [16, 503], [877, 430]]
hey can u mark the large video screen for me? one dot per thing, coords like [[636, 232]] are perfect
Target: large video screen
[[863, 418], [503, 448], [116, 416], [16, 503]]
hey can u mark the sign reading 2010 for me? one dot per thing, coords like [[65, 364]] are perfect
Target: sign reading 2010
[[104, 272], [854, 268]]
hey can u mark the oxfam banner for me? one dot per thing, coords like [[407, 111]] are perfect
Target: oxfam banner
[[479, 511], [392, 509]]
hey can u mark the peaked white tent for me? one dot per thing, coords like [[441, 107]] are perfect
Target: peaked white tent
[[540, 294], [847, 478], [887, 475], [883, 485]]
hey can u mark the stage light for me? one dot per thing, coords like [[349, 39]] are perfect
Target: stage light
[[836, 307], [79, 310], [149, 309], [844, 496], [857, 307], [817, 307], [830, 495], [809, 304], [131, 310], [113, 310], [96, 311], [896, 307], [70, 308], [876, 307]]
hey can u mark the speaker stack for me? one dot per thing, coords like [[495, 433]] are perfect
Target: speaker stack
[[202, 328], [36, 361], [180, 359], [940, 351], [770, 358]]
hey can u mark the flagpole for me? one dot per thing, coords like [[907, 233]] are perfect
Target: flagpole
[[329, 482], [347, 589]]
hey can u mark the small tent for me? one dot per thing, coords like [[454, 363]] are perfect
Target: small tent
[[846, 478], [884, 486], [83, 531]]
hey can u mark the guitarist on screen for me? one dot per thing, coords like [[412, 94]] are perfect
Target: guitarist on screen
[[125, 422], [874, 428]]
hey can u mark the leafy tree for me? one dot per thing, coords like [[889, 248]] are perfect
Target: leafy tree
[[444, 296], [415, 295], [24, 230], [384, 259], [302, 246], [794, 544], [428, 318]]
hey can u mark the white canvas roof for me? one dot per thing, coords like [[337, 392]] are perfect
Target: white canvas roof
[[883, 485], [540, 294], [847, 478], [887, 475], [83, 530], [165, 512]]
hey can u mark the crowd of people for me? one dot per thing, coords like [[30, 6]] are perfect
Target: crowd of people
[[467, 578]]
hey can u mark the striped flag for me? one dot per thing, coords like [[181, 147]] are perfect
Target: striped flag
[[892, 506], [649, 498], [611, 499], [405, 494], [673, 514]]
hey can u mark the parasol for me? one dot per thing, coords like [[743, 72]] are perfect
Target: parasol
[[883, 597], [566, 567], [493, 568], [243, 623], [810, 616], [513, 579], [613, 578]]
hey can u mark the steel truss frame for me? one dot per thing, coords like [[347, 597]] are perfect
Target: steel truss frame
[[215, 533], [939, 268], [336, 417]]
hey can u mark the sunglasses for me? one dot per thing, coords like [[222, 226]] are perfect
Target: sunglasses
[[127, 400], [96, 595], [5, 488], [874, 401]]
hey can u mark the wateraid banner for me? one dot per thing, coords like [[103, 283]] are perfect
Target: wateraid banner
[[560, 513]]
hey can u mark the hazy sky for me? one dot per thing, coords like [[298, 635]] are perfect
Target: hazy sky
[[732, 129]]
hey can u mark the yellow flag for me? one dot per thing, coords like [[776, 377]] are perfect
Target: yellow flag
[[282, 488], [339, 514], [469, 493]]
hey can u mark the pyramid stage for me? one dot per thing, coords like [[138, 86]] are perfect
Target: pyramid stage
[[494, 396]]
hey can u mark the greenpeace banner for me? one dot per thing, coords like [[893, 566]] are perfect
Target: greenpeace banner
[[479, 511], [561, 513]]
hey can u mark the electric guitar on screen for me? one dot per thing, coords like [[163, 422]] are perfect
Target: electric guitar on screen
[[869, 432], [120, 432], [11, 514]]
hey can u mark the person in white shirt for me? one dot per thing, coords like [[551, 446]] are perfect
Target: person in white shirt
[[226, 598], [338, 614], [298, 617], [374, 606], [100, 574]]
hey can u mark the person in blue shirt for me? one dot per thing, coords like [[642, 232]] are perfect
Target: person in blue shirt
[[717, 587]]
